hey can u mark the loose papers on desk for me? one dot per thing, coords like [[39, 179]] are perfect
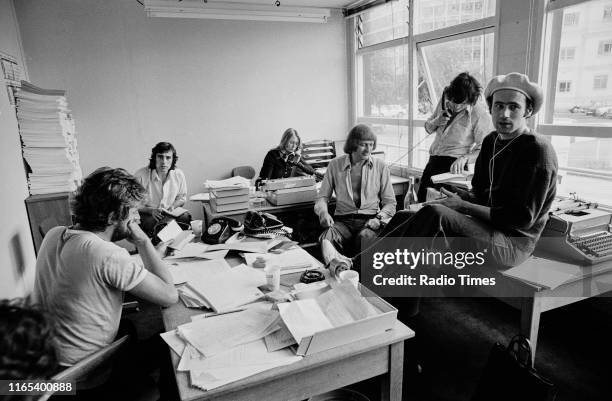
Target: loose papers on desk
[[290, 261], [228, 348], [228, 290]]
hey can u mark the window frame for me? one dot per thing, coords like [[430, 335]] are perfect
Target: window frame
[[414, 42]]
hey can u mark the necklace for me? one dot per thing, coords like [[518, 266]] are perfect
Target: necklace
[[492, 164]]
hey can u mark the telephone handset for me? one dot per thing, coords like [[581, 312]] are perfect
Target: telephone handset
[[220, 229]]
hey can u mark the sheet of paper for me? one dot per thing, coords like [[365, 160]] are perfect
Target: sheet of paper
[[229, 183], [292, 259], [190, 250], [259, 247], [181, 240], [229, 290], [194, 269], [218, 334], [548, 273], [344, 304], [201, 197], [279, 339], [213, 255], [171, 231], [176, 343], [303, 318], [176, 212]]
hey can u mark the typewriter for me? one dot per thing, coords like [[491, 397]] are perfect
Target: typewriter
[[577, 231], [288, 191]]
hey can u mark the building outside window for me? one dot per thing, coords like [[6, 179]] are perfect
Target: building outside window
[[577, 114], [607, 13], [567, 53], [570, 19], [565, 86], [600, 82]]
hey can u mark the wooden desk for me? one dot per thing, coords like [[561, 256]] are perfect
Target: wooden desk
[[379, 355], [533, 300]]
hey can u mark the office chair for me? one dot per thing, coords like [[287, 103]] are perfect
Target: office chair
[[243, 171], [95, 369]]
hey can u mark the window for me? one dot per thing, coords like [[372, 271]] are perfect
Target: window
[[607, 13], [600, 82], [398, 80], [577, 114], [565, 86], [570, 19], [383, 23], [567, 53], [605, 47]]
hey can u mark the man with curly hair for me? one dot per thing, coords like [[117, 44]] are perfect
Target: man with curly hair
[[81, 275]]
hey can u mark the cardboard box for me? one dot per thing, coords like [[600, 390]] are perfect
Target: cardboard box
[[359, 330]]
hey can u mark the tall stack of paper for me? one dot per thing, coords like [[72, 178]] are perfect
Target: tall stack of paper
[[49, 141], [228, 195]]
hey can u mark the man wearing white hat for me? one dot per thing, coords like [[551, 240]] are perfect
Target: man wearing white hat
[[513, 186]]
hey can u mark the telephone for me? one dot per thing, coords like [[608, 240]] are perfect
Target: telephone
[[220, 229]]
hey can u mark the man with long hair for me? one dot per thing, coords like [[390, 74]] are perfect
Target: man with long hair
[[364, 198]]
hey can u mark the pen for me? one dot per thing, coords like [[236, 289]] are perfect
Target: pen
[[225, 313]]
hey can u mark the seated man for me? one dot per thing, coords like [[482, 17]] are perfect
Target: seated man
[[514, 184], [165, 187], [361, 184], [81, 275]]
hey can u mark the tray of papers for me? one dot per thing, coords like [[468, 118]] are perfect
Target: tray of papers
[[377, 316]]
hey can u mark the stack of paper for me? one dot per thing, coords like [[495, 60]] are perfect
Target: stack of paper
[[228, 195], [448, 177], [226, 348], [49, 143]]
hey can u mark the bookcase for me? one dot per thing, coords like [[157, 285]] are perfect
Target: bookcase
[[45, 212]]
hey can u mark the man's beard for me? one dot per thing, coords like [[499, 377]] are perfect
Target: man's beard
[[121, 232]]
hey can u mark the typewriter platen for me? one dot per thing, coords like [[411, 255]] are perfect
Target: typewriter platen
[[578, 231]]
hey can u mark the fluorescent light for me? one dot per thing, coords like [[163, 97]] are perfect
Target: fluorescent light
[[233, 11]]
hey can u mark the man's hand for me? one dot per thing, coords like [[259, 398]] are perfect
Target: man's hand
[[157, 213], [452, 200], [135, 233], [442, 120], [458, 166], [373, 224], [326, 220]]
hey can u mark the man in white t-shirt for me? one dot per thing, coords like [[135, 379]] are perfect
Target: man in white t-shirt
[[81, 275], [165, 187]]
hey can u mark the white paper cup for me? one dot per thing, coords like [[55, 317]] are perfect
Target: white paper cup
[[196, 226], [350, 275], [273, 277]]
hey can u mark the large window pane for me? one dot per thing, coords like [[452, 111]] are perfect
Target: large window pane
[[586, 167], [420, 147], [384, 83], [383, 23], [436, 14], [579, 58], [439, 63], [392, 140]]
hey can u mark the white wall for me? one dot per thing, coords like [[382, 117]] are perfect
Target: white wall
[[221, 91], [16, 249]]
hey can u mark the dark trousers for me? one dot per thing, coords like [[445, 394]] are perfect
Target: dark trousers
[[435, 165], [347, 233], [439, 228], [151, 226]]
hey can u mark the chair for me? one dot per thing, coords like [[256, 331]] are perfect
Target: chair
[[94, 370], [318, 153], [243, 171]]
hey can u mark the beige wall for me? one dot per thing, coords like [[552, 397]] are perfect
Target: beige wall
[[16, 249], [221, 91]]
